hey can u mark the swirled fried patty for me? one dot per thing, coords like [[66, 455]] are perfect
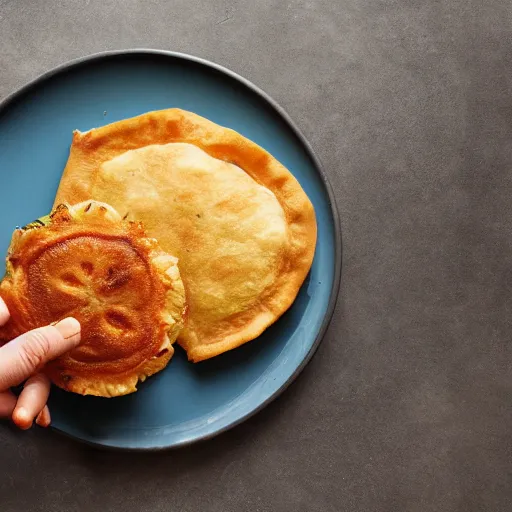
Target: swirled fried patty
[[87, 262]]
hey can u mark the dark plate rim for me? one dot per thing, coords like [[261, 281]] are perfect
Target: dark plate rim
[[68, 66]]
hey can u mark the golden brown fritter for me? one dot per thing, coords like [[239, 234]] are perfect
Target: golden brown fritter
[[85, 261], [239, 222]]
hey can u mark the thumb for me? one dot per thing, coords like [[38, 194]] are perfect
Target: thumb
[[28, 353]]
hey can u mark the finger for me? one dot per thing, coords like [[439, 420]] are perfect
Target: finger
[[4, 312], [7, 404], [28, 353], [31, 401], [43, 418]]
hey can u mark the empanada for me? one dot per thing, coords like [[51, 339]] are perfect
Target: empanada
[[239, 222]]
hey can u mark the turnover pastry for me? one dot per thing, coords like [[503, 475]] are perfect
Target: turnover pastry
[[239, 222], [85, 261]]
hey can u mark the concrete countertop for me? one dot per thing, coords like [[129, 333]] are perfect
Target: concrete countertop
[[406, 406]]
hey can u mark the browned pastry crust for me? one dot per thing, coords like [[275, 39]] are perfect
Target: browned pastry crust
[[103, 166], [85, 261]]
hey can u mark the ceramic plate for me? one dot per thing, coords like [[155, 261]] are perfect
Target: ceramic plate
[[186, 402]]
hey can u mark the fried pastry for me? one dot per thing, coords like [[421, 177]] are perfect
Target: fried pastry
[[85, 261], [239, 222]]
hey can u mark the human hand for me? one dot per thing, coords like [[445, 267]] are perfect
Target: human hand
[[23, 358]]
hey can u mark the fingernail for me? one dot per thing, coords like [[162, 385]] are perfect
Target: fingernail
[[69, 328], [43, 418], [4, 312], [21, 418], [41, 422]]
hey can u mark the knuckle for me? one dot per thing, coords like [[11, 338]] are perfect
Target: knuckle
[[36, 349]]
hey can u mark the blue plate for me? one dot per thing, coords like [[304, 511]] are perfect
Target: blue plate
[[186, 402]]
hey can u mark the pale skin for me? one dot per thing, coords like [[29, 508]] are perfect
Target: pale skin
[[22, 359]]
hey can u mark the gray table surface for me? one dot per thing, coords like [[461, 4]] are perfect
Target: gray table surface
[[406, 406]]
